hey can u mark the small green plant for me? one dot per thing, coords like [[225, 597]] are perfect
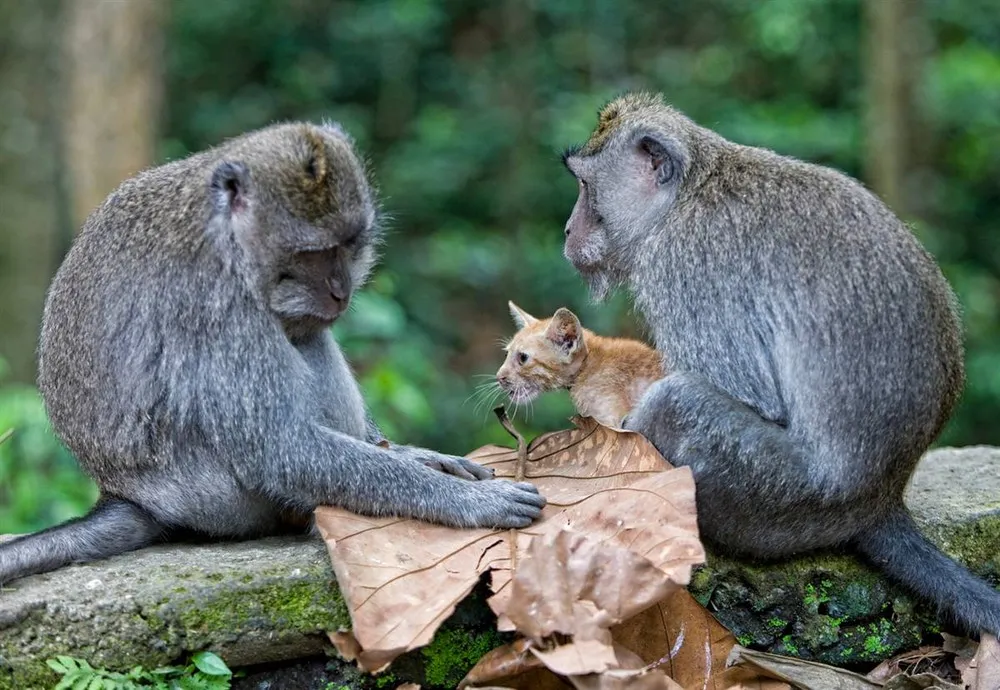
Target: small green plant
[[205, 672]]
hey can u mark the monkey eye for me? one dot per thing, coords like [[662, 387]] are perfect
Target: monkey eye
[[522, 357]]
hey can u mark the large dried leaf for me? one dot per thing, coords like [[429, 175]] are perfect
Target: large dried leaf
[[575, 585], [683, 639], [402, 578], [983, 672], [568, 586], [808, 675]]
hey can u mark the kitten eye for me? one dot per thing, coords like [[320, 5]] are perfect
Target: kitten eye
[[522, 357]]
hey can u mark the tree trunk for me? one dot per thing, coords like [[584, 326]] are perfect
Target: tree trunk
[[30, 199], [896, 42], [114, 83]]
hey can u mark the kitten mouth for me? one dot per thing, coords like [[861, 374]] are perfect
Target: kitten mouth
[[521, 395]]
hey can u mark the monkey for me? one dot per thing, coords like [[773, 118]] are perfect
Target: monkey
[[813, 346], [186, 359]]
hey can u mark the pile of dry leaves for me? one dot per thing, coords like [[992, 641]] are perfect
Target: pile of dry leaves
[[595, 589]]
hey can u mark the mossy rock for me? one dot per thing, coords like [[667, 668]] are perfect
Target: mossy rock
[[250, 602], [272, 600], [836, 609]]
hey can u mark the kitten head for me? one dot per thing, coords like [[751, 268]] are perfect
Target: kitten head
[[544, 355]]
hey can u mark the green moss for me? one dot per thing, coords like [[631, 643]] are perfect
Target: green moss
[[816, 595], [38, 678], [876, 643], [975, 544], [777, 623], [702, 585], [300, 606], [385, 680], [453, 652], [789, 645], [744, 640]]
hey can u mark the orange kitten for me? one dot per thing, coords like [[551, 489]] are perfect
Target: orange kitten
[[605, 377]]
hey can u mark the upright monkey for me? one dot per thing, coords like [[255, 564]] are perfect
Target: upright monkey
[[186, 359], [814, 347]]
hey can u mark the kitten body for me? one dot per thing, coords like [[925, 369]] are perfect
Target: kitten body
[[605, 377]]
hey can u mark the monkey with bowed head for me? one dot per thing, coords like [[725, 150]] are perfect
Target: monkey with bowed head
[[186, 360], [814, 346]]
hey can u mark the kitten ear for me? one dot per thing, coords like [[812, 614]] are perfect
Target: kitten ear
[[565, 330], [521, 317]]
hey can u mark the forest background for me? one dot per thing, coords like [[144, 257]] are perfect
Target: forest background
[[463, 108]]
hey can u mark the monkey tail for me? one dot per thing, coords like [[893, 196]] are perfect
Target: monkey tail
[[898, 547], [111, 527]]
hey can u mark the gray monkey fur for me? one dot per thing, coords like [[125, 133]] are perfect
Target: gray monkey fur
[[815, 345], [186, 360]]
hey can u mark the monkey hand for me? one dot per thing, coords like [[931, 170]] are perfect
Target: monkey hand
[[499, 504], [451, 464]]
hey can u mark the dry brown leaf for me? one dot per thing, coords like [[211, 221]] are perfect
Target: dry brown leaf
[[959, 646], [682, 638], [574, 584], [632, 672], [579, 658], [402, 578], [983, 672], [920, 681], [625, 680], [505, 661], [905, 663], [570, 584], [808, 675]]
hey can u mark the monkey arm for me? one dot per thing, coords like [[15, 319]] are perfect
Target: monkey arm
[[756, 492], [319, 466]]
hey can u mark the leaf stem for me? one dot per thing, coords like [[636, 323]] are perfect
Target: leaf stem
[[522, 460]]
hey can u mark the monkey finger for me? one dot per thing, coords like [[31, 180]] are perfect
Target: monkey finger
[[527, 510], [516, 522], [529, 494], [475, 469], [457, 470]]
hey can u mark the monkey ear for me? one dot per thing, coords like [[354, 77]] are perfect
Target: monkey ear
[[521, 317], [565, 330], [230, 187], [662, 164]]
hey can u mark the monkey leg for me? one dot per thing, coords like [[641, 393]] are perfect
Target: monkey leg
[[759, 489]]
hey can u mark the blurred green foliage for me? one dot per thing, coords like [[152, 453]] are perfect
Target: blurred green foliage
[[463, 108]]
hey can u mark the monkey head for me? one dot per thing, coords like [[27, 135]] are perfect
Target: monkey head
[[629, 174], [296, 203]]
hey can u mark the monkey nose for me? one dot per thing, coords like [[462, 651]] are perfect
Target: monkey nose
[[337, 290]]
